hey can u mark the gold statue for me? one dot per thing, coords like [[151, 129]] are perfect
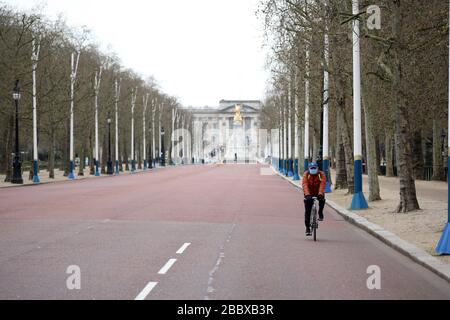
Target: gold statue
[[237, 115]]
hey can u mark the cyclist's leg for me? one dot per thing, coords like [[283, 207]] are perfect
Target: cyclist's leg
[[308, 206], [321, 207]]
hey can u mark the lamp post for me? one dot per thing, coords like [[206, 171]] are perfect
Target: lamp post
[[306, 152], [163, 151], [97, 80], [133, 104], [34, 59], [109, 169], [296, 141], [358, 201], [161, 106], [280, 140], [290, 155], [325, 131], [17, 165], [144, 133], [73, 76], [117, 97], [150, 152], [443, 246]]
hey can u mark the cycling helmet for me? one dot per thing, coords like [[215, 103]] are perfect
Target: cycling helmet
[[313, 168]]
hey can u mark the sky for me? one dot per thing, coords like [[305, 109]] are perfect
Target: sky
[[200, 51]]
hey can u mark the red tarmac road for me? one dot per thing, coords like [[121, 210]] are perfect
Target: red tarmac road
[[245, 231]]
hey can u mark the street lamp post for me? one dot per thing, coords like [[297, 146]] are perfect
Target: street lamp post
[[150, 152], [163, 151], [34, 59], [144, 133], [109, 169], [73, 76], [325, 131], [358, 201], [117, 97], [296, 141], [161, 106], [289, 139], [172, 138], [17, 165], [280, 141], [97, 81], [443, 246], [306, 152], [133, 104]]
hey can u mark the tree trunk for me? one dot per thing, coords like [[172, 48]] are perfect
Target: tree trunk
[[341, 172], [9, 148], [348, 150], [125, 157], [66, 150], [51, 153], [91, 155], [82, 158], [371, 159], [418, 161], [139, 155], [438, 166], [104, 155], [408, 198], [389, 147], [378, 152]]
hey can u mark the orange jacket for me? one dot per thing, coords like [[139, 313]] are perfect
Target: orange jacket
[[313, 185]]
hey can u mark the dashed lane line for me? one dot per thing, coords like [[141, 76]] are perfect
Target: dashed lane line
[[167, 266], [144, 293], [151, 285], [183, 248]]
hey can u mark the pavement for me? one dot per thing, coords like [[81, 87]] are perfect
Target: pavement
[[192, 232], [58, 177]]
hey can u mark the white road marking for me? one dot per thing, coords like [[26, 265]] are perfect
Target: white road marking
[[144, 293], [168, 265], [183, 248]]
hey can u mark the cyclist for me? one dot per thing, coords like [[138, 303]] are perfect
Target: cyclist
[[313, 182]]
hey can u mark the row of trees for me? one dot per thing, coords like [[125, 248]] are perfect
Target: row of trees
[[404, 63], [57, 43]]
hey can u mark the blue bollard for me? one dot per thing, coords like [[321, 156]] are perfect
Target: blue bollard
[[326, 170], [290, 168], [97, 173], [443, 246], [35, 172], [296, 175], [359, 201], [71, 176]]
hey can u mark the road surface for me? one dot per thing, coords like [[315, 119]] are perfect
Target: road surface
[[193, 232]]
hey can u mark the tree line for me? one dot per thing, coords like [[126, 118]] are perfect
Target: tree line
[[57, 42], [404, 67]]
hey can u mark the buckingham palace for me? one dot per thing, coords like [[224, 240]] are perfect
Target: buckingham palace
[[227, 133]]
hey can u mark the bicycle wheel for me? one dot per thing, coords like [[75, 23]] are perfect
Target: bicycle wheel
[[314, 222], [315, 230]]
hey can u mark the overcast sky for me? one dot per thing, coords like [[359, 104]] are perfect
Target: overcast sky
[[200, 51]]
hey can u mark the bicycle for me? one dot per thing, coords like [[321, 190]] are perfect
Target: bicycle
[[314, 224]]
